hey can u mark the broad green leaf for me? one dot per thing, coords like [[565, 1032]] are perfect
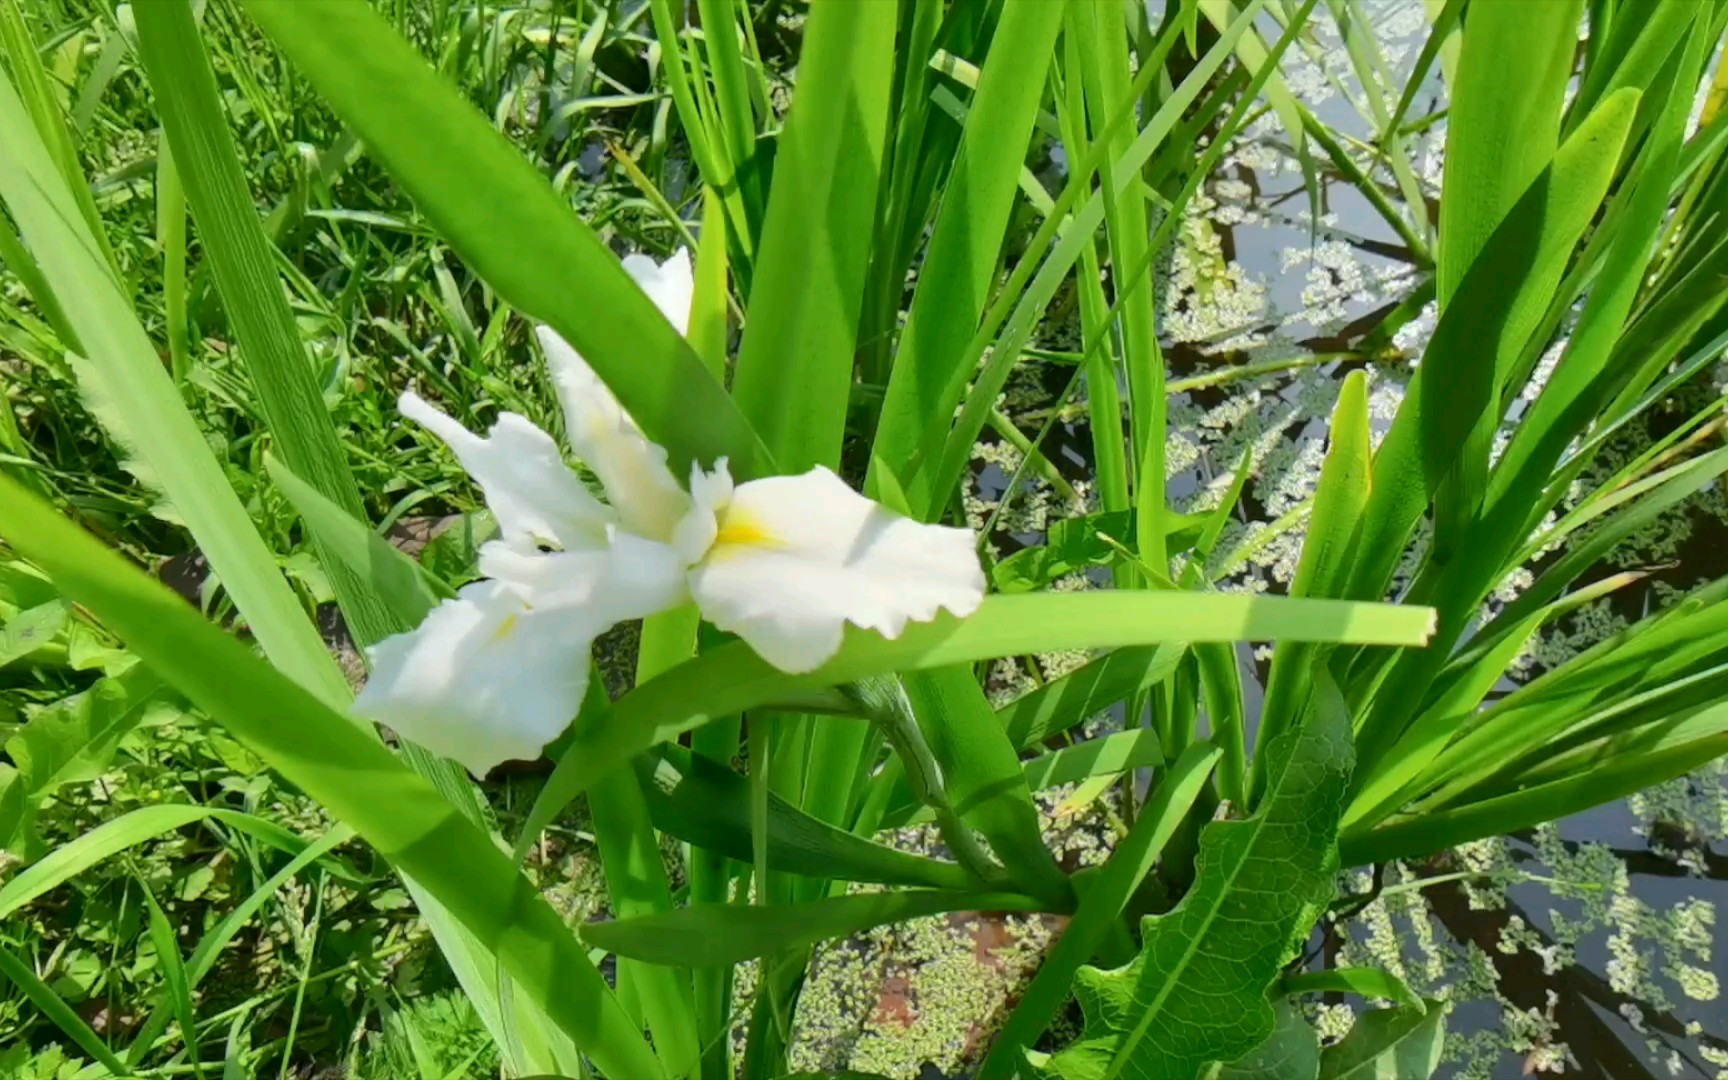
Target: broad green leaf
[[1503, 124], [74, 738], [29, 630], [348, 770], [1291, 1052], [965, 247], [727, 934], [705, 803], [506, 221], [815, 251], [137, 396], [1389, 1044], [1197, 993], [1101, 905]]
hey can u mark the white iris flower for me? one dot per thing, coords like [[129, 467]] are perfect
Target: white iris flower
[[783, 562]]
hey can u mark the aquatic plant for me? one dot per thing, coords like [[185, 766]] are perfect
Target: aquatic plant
[[791, 513]]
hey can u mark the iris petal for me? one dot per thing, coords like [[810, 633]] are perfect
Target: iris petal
[[484, 679], [795, 558], [633, 470], [536, 497]]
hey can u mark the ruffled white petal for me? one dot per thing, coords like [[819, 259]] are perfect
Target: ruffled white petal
[[795, 558], [536, 497], [671, 285], [484, 679], [631, 578], [634, 471]]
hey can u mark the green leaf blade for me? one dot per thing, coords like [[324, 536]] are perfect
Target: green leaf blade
[[815, 252], [1197, 993]]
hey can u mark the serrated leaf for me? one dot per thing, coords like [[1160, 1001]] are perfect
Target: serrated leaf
[[1389, 1044], [1291, 1052], [29, 630], [1197, 993], [74, 738]]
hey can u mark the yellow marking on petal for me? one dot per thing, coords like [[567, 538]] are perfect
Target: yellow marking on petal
[[505, 628], [743, 532]]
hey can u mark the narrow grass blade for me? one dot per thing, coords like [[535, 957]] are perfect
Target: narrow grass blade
[[1613, 779], [406, 591], [981, 776], [1100, 39], [1501, 135], [1504, 122], [210, 946], [44, 114], [1342, 493], [1404, 1042], [72, 858], [637, 886], [1082, 694], [1494, 312], [1110, 755], [1366, 982], [176, 988], [171, 235], [56, 1010]]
